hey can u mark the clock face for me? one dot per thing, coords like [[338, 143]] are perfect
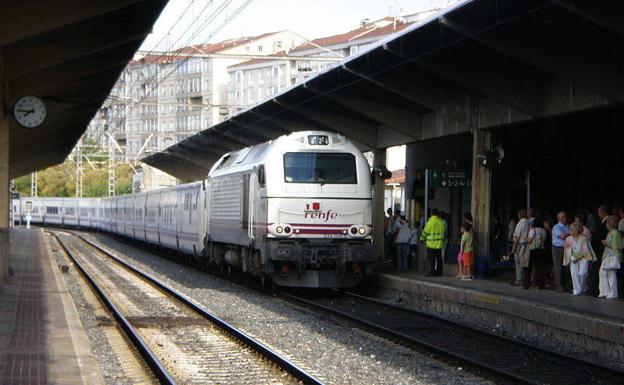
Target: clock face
[[29, 111]]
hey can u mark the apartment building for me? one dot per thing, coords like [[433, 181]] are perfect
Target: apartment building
[[162, 99], [255, 80]]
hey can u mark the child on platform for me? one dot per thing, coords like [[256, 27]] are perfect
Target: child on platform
[[466, 251]]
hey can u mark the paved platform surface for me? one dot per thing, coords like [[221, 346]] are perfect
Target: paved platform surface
[[585, 315], [41, 338]]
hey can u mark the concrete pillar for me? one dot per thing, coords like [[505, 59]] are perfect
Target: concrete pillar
[[379, 160], [481, 191], [4, 180]]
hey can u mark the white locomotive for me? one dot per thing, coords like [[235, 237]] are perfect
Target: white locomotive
[[297, 209]]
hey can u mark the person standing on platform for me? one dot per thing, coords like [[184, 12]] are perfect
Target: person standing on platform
[[597, 237], [413, 246], [537, 255], [511, 227], [444, 217], [559, 233], [591, 220], [530, 216], [578, 254], [400, 243], [466, 251], [611, 259], [388, 234], [580, 220], [621, 222], [433, 236], [519, 248]]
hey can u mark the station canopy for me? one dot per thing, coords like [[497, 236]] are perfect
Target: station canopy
[[69, 53], [479, 65]]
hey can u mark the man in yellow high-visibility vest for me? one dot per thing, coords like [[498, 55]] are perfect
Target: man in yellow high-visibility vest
[[433, 236]]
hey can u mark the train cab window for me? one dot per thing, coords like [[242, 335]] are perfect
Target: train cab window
[[325, 168]]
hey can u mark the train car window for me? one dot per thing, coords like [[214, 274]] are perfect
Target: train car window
[[223, 162], [51, 210], [261, 176], [324, 168]]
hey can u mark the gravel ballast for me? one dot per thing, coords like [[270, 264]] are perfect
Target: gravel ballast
[[98, 325], [330, 348]]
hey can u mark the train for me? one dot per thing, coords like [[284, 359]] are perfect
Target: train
[[296, 210]]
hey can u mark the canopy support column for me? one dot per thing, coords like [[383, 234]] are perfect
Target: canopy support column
[[379, 160], [481, 190], [4, 178]]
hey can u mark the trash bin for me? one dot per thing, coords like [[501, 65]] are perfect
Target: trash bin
[[482, 267]]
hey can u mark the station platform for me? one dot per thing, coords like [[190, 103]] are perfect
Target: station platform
[[42, 340], [573, 324]]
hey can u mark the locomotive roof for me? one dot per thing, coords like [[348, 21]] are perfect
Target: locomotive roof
[[251, 156]]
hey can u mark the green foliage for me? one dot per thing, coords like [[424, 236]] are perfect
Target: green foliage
[[60, 181], [123, 172], [22, 184]]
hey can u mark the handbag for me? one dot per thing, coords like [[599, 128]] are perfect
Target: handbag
[[611, 261]]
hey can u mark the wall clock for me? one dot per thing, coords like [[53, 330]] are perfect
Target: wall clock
[[29, 111]]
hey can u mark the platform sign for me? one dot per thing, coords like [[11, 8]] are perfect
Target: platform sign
[[449, 179]]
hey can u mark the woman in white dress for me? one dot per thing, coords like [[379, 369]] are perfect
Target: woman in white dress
[[611, 260], [577, 254]]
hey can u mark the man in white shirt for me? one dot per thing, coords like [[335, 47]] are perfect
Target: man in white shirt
[[401, 241], [520, 248]]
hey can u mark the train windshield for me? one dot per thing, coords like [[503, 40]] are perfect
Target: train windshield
[[324, 168]]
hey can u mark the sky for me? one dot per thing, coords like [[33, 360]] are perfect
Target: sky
[[311, 19]]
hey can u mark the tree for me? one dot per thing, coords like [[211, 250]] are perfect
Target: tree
[[22, 184], [60, 181], [123, 172]]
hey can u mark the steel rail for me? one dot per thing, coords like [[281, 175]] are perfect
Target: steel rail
[[163, 376], [402, 337], [259, 347]]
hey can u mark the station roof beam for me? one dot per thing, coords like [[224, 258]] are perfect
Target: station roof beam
[[69, 53], [477, 65]]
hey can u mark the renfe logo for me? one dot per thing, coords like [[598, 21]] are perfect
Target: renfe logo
[[314, 212]]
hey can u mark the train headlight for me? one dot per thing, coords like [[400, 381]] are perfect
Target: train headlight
[[359, 230], [281, 229]]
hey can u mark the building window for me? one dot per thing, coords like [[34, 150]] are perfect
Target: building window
[[260, 48], [353, 50]]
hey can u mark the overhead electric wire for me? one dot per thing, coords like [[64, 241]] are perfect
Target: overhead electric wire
[[201, 27], [214, 32], [179, 37], [172, 27]]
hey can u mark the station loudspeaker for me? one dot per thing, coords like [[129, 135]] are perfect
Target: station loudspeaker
[[492, 158], [381, 172]]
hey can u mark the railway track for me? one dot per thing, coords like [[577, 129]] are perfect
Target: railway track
[[498, 355], [180, 340]]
